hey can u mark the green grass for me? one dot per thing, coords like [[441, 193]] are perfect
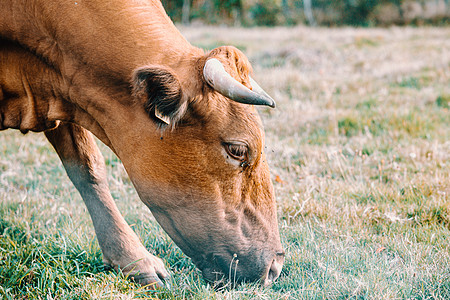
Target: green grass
[[360, 140]]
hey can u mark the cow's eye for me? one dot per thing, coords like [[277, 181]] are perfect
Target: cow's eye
[[238, 151]]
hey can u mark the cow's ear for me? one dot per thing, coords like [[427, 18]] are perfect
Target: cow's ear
[[160, 91]]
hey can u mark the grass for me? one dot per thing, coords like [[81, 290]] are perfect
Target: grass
[[359, 148]]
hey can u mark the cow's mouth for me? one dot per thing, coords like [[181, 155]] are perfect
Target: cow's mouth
[[209, 266], [227, 270]]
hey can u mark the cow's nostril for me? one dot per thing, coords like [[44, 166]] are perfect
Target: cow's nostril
[[274, 272]]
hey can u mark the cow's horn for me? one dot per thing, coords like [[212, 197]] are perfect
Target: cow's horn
[[216, 76]]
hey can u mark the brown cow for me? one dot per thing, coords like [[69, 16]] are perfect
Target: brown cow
[[121, 70]]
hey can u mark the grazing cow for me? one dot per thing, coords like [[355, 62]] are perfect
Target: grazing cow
[[178, 118]]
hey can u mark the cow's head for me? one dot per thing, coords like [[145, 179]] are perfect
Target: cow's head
[[209, 184]]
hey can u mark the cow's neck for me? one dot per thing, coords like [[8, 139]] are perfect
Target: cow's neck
[[95, 46], [117, 35], [105, 40]]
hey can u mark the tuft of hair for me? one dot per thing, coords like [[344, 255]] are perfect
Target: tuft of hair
[[235, 62], [162, 94]]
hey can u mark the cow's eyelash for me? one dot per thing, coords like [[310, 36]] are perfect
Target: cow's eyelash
[[237, 151]]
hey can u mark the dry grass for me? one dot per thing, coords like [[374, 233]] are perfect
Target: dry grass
[[359, 147]]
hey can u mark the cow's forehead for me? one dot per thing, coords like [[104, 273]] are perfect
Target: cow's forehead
[[243, 122]]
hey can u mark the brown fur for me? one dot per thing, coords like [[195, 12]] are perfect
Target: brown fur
[[66, 68]]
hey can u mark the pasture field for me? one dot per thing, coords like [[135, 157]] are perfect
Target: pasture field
[[359, 149]]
